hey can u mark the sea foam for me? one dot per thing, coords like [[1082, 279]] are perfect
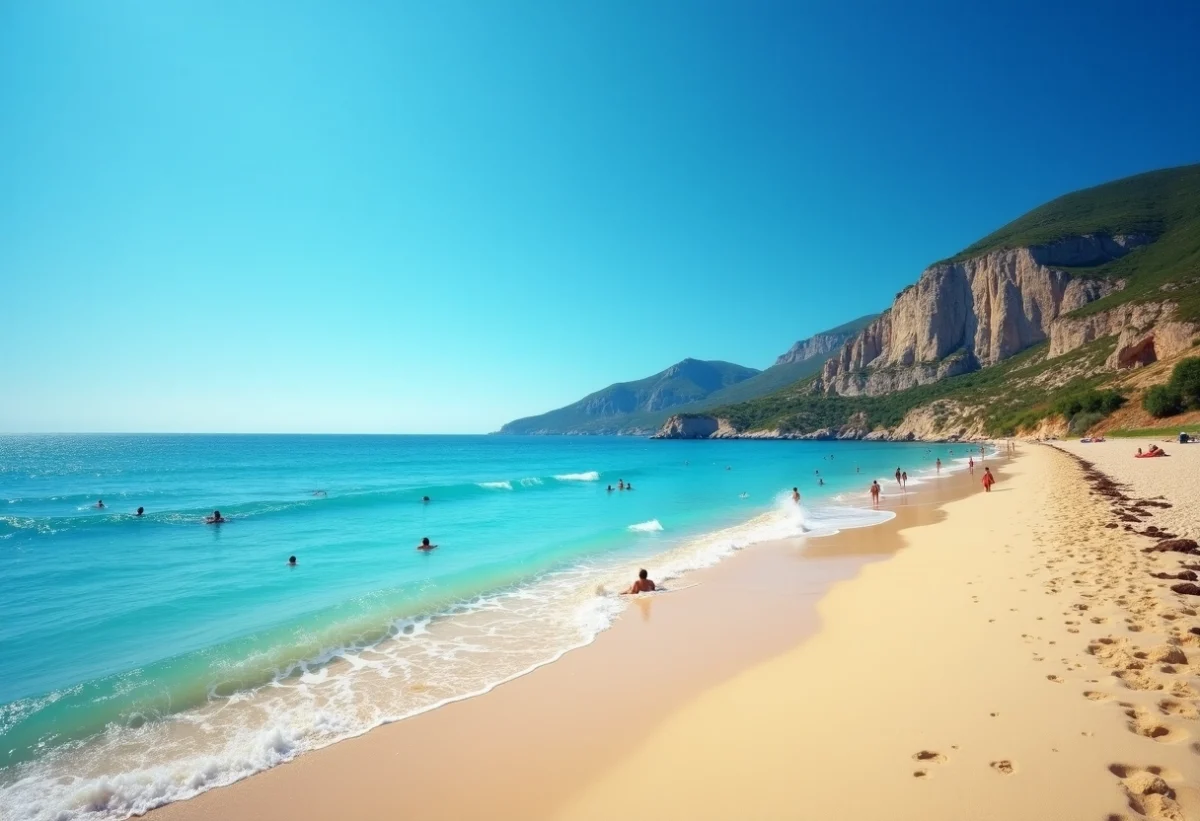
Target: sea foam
[[652, 526], [589, 476]]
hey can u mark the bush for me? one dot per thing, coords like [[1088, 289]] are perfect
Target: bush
[[1185, 380], [1162, 400], [1080, 422]]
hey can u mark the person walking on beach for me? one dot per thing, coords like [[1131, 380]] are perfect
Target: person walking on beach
[[897, 475], [643, 584], [988, 480], [904, 480], [939, 464], [971, 464], [874, 493], [425, 546], [795, 495]]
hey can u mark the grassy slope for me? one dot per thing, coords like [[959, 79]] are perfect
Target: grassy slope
[[1164, 204]]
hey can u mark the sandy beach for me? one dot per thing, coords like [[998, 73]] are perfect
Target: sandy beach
[[1002, 655]]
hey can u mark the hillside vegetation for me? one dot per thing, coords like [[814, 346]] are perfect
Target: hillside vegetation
[[1163, 204]]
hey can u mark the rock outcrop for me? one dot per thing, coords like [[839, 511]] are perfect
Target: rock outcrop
[[1145, 333], [813, 347], [971, 313], [691, 427]]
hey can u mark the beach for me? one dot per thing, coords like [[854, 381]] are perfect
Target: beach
[[999, 655]]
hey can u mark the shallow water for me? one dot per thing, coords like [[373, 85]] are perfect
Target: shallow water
[[146, 659]]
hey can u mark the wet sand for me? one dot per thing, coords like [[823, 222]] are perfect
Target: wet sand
[[531, 746]]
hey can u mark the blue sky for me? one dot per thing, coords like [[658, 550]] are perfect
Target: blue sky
[[435, 217]]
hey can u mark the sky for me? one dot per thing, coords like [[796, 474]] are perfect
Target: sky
[[422, 217]]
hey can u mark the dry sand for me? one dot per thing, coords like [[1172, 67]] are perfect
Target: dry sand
[[1015, 660]]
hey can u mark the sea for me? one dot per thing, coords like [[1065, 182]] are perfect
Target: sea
[[146, 659]]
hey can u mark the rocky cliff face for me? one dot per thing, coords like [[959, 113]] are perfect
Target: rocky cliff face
[[975, 312], [814, 346], [1145, 333]]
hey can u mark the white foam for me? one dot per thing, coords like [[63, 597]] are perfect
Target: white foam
[[652, 526], [496, 485], [589, 476], [530, 482]]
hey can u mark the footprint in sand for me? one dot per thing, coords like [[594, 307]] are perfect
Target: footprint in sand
[[929, 755], [1004, 766], [1148, 792], [1096, 695], [920, 774], [1179, 709], [1141, 723], [1054, 678]]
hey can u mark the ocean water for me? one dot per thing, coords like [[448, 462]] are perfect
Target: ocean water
[[144, 660]]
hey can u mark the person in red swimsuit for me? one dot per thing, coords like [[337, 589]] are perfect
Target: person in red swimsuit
[[988, 480]]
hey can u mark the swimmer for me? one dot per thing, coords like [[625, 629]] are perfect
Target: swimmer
[[425, 545], [100, 504], [425, 500], [319, 493], [821, 482], [629, 485], [620, 484], [875, 493], [643, 584], [141, 511], [610, 488], [291, 561], [216, 519], [796, 495]]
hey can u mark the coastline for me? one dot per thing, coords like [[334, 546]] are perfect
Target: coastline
[[662, 651], [1019, 660]]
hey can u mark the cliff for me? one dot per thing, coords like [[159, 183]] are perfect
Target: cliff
[[823, 344], [971, 313]]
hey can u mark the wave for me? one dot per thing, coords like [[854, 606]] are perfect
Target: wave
[[652, 526], [496, 485], [532, 481], [589, 476]]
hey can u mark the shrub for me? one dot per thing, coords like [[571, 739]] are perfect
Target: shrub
[[1080, 422], [1185, 380], [1162, 400]]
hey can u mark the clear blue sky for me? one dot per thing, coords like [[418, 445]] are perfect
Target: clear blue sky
[[436, 217]]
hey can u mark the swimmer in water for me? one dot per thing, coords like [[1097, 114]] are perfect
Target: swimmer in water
[[425, 500], [821, 482], [610, 488], [216, 519], [291, 561], [319, 493], [425, 545], [620, 484], [643, 584], [141, 511], [100, 504], [796, 495], [629, 485]]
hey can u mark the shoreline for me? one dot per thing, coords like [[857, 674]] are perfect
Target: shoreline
[[685, 641]]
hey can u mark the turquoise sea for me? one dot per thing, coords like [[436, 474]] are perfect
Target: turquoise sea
[[143, 660]]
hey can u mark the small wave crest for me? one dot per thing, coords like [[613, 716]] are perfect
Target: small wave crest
[[496, 485], [652, 526], [532, 481], [589, 476]]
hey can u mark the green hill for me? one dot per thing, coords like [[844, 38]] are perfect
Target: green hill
[[1163, 204], [611, 409], [691, 386]]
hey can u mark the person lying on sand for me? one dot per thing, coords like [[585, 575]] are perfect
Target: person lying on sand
[[642, 585], [216, 519], [425, 545]]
